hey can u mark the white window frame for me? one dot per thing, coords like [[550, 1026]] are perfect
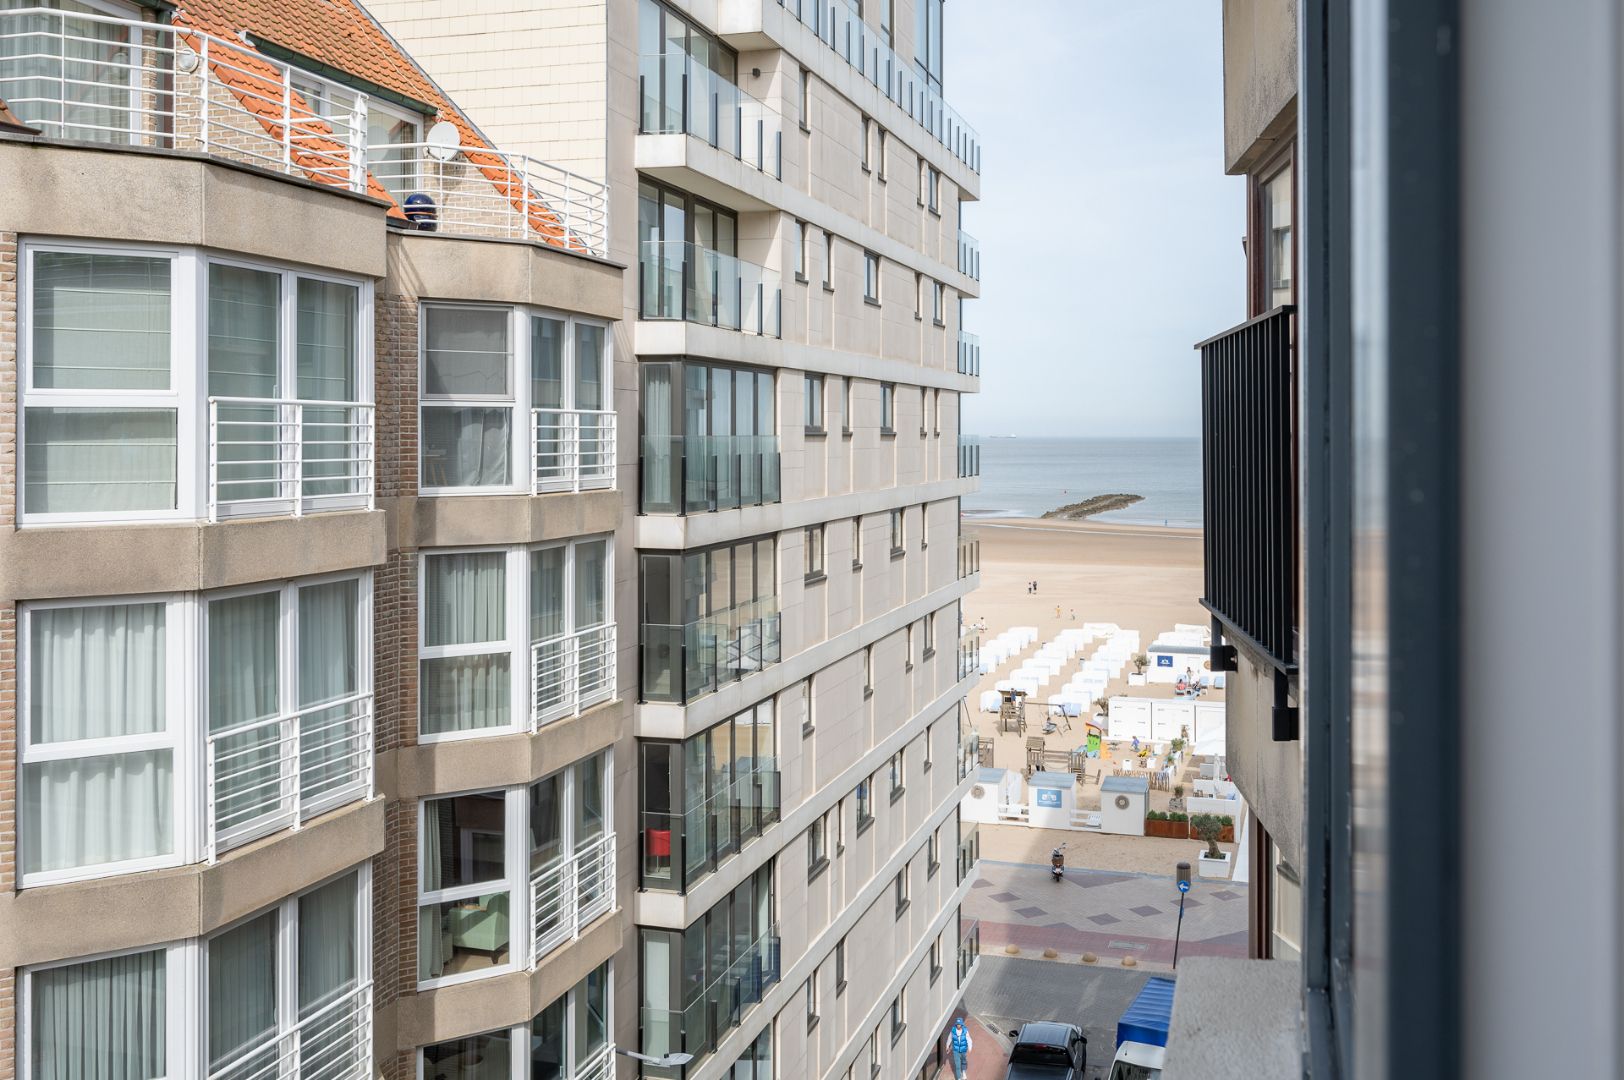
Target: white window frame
[[871, 277], [517, 643], [515, 882], [186, 706], [519, 1034], [187, 395], [888, 408], [815, 553], [812, 385]]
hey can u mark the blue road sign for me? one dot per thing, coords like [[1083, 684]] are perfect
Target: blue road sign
[[1184, 886]]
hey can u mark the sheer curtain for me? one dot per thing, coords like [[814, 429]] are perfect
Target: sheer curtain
[[325, 355], [245, 362], [100, 322], [589, 395], [96, 674], [433, 938], [465, 603], [242, 999], [102, 1020], [547, 392], [244, 646], [328, 944], [467, 355], [659, 444], [328, 670], [591, 583]]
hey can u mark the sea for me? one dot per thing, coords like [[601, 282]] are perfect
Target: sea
[[1024, 477]]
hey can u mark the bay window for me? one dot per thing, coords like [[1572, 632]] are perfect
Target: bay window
[[710, 617], [710, 436], [493, 863], [285, 991], [568, 1040], [486, 427], [161, 384], [108, 774], [480, 608]]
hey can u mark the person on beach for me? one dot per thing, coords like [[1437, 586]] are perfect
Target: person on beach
[[959, 1042]]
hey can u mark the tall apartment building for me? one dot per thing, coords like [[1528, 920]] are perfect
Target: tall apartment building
[[785, 184], [402, 679], [1412, 493]]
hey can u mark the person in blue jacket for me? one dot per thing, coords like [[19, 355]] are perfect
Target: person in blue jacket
[[959, 1043]]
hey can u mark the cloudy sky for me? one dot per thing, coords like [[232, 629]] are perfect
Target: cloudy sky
[[1110, 237]]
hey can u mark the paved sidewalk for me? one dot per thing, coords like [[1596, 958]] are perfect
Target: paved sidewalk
[[1107, 913]]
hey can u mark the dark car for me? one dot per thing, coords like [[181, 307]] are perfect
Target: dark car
[[1047, 1051]]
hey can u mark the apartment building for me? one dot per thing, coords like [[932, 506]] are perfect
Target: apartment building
[[1412, 496], [787, 181], [314, 558]]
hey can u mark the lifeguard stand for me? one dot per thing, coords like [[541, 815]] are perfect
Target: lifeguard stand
[[1012, 712]]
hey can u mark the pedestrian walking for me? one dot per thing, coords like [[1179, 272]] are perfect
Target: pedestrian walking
[[959, 1043]]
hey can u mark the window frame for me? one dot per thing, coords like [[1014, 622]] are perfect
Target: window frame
[[899, 532], [828, 261], [888, 408], [816, 554], [519, 1035], [845, 406], [812, 390], [904, 888], [871, 278]]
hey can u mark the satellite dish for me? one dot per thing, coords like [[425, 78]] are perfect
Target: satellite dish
[[443, 141]]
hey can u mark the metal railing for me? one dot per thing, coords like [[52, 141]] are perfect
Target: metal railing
[[839, 26], [969, 659], [969, 949], [333, 1042], [684, 661], [969, 255], [472, 191], [127, 83], [1249, 483], [969, 557], [270, 456], [969, 456], [599, 1066], [272, 774], [567, 893], [710, 108], [574, 448], [969, 354], [695, 474], [969, 850], [679, 279], [681, 849], [571, 673]]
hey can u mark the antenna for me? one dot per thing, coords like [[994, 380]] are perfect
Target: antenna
[[443, 141]]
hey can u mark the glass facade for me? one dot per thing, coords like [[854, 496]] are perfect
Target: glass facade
[[709, 437], [709, 617]]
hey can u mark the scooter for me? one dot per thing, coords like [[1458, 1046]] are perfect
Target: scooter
[[1057, 863]]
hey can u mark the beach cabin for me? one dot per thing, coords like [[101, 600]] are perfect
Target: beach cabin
[[1123, 802], [1169, 660], [1128, 719], [1207, 736], [1050, 799], [992, 789], [1169, 717]]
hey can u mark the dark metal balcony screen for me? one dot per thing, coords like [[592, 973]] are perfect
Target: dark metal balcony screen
[[1249, 483]]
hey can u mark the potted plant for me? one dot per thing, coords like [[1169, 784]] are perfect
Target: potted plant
[[1102, 706], [1211, 862], [1161, 823], [1177, 801], [1140, 662]]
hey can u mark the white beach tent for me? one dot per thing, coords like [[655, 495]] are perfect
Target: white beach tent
[[990, 700], [992, 788]]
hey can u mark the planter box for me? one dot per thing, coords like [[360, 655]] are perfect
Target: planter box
[[1176, 830], [1136, 680], [1215, 868]]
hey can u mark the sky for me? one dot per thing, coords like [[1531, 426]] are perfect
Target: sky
[[1110, 236]]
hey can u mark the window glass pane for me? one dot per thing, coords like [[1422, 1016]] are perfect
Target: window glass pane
[[327, 340], [242, 995], [106, 1019], [466, 351], [463, 840], [465, 598], [591, 583], [592, 1013], [244, 316], [95, 810], [466, 447], [101, 322], [92, 460], [547, 1043], [546, 363], [328, 946], [547, 593], [243, 648], [588, 799], [478, 1057], [546, 821], [589, 343], [465, 693], [331, 743]]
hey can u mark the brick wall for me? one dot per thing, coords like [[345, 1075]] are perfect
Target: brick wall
[[8, 378], [395, 393]]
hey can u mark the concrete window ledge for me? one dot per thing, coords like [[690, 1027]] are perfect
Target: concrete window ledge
[[1236, 1020]]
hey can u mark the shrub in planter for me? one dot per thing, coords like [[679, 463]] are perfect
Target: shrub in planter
[[1208, 827]]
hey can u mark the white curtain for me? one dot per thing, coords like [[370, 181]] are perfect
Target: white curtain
[[242, 998], [466, 447], [591, 583], [328, 944], [466, 352], [659, 460], [326, 340], [101, 322], [546, 363], [547, 593], [96, 673], [244, 650], [465, 604], [433, 938], [245, 317], [91, 460], [328, 670], [102, 1020]]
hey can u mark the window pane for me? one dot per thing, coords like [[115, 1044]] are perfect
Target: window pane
[[547, 1043], [101, 322], [465, 693], [242, 995], [331, 740], [589, 343], [328, 944], [327, 338], [465, 599], [244, 316], [466, 447], [546, 821], [588, 799], [546, 363], [96, 672], [96, 810], [478, 1057], [243, 648], [460, 936], [591, 1013], [105, 1019], [466, 351], [591, 586], [547, 593], [93, 460], [463, 840]]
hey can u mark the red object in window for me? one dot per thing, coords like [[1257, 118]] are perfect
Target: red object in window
[[659, 841]]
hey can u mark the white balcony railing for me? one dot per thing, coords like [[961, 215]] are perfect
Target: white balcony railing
[[470, 191], [334, 1042], [272, 774], [568, 892], [273, 456], [599, 1066], [126, 83], [575, 449], [572, 673]]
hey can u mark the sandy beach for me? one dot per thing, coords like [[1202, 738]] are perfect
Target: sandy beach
[[1140, 577]]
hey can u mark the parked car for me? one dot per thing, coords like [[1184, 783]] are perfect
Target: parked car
[[1047, 1051]]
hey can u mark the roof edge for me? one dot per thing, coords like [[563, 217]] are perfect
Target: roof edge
[[337, 74]]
